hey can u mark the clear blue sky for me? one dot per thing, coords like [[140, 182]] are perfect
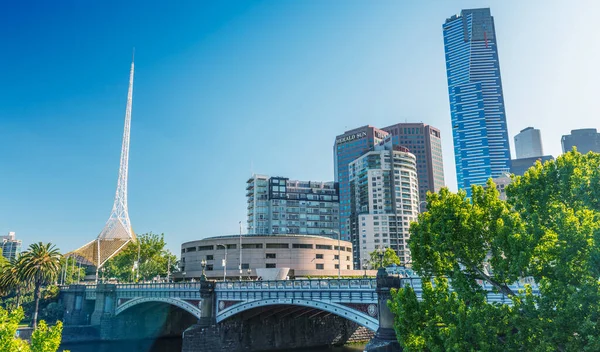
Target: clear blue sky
[[223, 89]]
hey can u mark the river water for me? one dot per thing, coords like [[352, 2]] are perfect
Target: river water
[[169, 345]]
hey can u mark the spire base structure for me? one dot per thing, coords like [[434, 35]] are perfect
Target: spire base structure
[[117, 232]]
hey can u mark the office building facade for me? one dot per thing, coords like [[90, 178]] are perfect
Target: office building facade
[[278, 205], [479, 129], [347, 148], [425, 142], [520, 166], [11, 247], [585, 140], [528, 143], [384, 201]]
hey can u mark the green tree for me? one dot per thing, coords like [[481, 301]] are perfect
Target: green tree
[[154, 259], [548, 230], [40, 265], [43, 339], [70, 271], [389, 258], [11, 281]]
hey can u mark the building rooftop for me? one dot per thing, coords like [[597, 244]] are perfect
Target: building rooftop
[[246, 235]]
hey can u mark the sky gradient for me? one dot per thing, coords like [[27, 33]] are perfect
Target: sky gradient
[[225, 89]]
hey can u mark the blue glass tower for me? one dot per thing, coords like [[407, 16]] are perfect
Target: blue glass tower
[[479, 131]]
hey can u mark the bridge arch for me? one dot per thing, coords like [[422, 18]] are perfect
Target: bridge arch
[[188, 307], [360, 318]]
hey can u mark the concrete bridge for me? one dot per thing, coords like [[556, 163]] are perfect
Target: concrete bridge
[[228, 316]]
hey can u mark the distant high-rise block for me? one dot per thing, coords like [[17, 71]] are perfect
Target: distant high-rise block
[[479, 130], [278, 205], [424, 141], [586, 140], [528, 143], [346, 148], [520, 166], [11, 247]]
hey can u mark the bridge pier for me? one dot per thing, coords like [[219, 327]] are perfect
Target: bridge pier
[[385, 338], [77, 310], [106, 299]]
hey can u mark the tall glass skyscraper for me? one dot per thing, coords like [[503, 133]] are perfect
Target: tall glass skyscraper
[[481, 146]]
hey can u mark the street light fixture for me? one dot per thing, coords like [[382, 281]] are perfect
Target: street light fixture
[[183, 275], [365, 266], [249, 274], [339, 254]]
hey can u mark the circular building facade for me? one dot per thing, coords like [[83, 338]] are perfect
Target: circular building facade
[[263, 255]]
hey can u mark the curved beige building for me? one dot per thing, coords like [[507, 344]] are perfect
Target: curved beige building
[[304, 255]]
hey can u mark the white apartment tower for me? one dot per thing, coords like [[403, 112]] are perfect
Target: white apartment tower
[[384, 201], [528, 143], [278, 205]]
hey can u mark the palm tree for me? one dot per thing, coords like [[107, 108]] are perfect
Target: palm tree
[[10, 280], [39, 265]]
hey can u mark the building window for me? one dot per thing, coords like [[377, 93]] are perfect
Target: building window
[[319, 256], [209, 267], [302, 245], [337, 266], [270, 265], [271, 256], [320, 266], [278, 245], [336, 257], [252, 245], [210, 257], [348, 267], [205, 248], [323, 246], [348, 257], [191, 249], [246, 266]]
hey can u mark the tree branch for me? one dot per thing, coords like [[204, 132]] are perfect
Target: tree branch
[[501, 287]]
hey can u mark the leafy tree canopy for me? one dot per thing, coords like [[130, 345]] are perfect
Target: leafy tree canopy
[[548, 230], [389, 257], [43, 339], [154, 260]]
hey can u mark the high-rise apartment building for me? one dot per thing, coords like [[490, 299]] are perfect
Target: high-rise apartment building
[[11, 247], [348, 147], [528, 143], [586, 140], [384, 201], [479, 130], [424, 141], [278, 205]]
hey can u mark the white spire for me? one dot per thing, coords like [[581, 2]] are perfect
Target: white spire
[[117, 232]]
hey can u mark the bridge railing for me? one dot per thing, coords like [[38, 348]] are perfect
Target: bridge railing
[[325, 284]]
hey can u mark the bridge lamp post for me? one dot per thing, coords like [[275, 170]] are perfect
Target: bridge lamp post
[[224, 263], [249, 273], [365, 265], [380, 254], [203, 264]]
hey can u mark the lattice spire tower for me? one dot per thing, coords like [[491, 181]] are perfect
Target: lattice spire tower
[[117, 232]]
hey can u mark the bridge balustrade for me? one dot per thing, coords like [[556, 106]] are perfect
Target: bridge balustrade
[[325, 284]]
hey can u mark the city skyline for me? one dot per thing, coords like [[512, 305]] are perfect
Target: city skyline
[[205, 69]]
